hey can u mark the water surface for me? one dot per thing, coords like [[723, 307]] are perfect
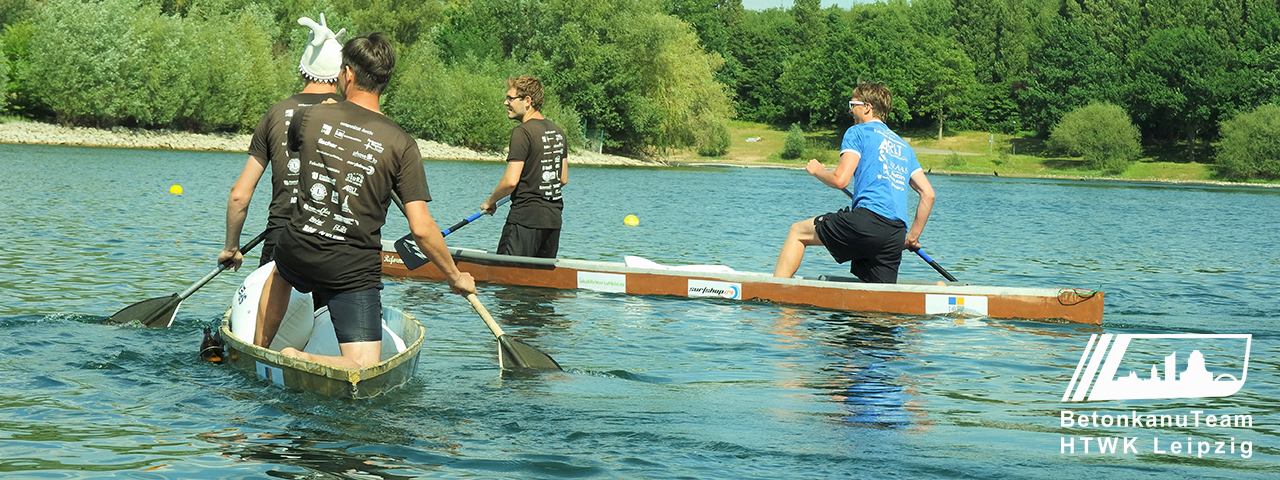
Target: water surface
[[654, 387]]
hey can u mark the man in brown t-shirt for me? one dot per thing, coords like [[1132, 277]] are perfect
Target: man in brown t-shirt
[[319, 66], [352, 159], [537, 166]]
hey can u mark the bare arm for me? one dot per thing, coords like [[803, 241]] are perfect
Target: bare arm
[[921, 185], [506, 186], [838, 178], [564, 171], [238, 210], [427, 235]]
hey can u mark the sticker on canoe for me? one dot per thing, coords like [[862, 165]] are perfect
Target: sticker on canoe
[[275, 375], [961, 304], [708, 288], [602, 282]]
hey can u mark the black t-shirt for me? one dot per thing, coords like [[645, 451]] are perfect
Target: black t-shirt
[[351, 160], [542, 146], [268, 146]]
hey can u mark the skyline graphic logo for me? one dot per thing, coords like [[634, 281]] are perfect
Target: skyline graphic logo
[[1216, 366]]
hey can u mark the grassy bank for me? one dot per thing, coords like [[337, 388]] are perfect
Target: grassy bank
[[976, 153]]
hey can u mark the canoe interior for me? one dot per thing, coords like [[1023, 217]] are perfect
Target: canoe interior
[[327, 380]]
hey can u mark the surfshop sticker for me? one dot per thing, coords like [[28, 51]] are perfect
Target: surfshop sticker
[[955, 304], [707, 288]]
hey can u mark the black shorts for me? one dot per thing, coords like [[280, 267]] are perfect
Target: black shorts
[[357, 316], [872, 242], [529, 242], [269, 245]]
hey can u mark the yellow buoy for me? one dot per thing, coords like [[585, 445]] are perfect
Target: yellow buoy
[[631, 220], [176, 189]]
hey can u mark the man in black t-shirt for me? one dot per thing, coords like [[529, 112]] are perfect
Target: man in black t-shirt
[[537, 166], [351, 160], [319, 66]]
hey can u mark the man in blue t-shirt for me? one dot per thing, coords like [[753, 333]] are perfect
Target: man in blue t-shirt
[[872, 232]]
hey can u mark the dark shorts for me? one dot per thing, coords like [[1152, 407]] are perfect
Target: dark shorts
[[269, 245], [871, 242], [529, 242], [357, 316]]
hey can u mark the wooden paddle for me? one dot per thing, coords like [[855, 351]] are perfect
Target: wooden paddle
[[513, 353], [920, 253], [408, 249], [159, 312]]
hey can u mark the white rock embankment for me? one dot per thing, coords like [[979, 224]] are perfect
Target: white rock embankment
[[16, 131]]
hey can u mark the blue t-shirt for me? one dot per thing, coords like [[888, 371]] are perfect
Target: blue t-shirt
[[885, 166]]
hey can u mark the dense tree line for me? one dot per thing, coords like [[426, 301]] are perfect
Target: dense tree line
[[658, 74]]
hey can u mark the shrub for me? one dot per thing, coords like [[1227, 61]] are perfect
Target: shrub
[[1101, 133], [793, 145], [462, 104], [713, 141], [4, 76], [1250, 146]]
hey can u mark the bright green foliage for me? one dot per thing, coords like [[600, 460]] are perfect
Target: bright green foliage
[[1101, 133], [951, 85], [120, 62], [462, 104], [4, 77], [1250, 146], [793, 145], [15, 45], [713, 141]]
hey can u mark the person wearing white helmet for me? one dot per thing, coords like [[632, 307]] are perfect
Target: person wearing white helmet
[[321, 60]]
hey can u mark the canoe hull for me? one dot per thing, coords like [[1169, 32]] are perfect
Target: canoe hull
[[1065, 304], [327, 380]]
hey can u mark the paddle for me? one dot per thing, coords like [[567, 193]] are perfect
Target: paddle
[[920, 252], [513, 353], [159, 312], [408, 249]]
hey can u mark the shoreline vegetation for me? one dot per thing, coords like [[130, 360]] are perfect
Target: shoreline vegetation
[[939, 157]]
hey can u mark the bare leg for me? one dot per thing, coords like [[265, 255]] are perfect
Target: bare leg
[[271, 309], [801, 235], [354, 355]]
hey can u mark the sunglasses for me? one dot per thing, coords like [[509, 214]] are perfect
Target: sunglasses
[[854, 103], [510, 98]]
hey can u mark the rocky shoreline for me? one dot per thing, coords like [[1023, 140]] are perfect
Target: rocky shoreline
[[16, 131]]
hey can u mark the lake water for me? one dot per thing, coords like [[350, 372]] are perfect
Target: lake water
[[654, 387]]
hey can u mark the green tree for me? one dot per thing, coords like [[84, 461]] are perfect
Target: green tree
[[948, 84], [793, 144], [1070, 70], [1250, 146], [1102, 133], [1181, 84]]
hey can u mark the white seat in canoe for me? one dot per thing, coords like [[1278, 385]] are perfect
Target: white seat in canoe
[[302, 328], [639, 262]]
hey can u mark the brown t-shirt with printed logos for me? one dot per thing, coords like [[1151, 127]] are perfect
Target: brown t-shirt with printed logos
[[268, 147], [351, 159], [536, 201]]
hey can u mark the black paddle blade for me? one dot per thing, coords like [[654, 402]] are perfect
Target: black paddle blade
[[155, 312], [409, 253], [513, 353]]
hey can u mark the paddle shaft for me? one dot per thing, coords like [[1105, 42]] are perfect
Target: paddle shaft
[[484, 314], [222, 266], [447, 231], [919, 252]]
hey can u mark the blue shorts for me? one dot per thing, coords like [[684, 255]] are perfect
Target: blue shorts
[[357, 316]]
